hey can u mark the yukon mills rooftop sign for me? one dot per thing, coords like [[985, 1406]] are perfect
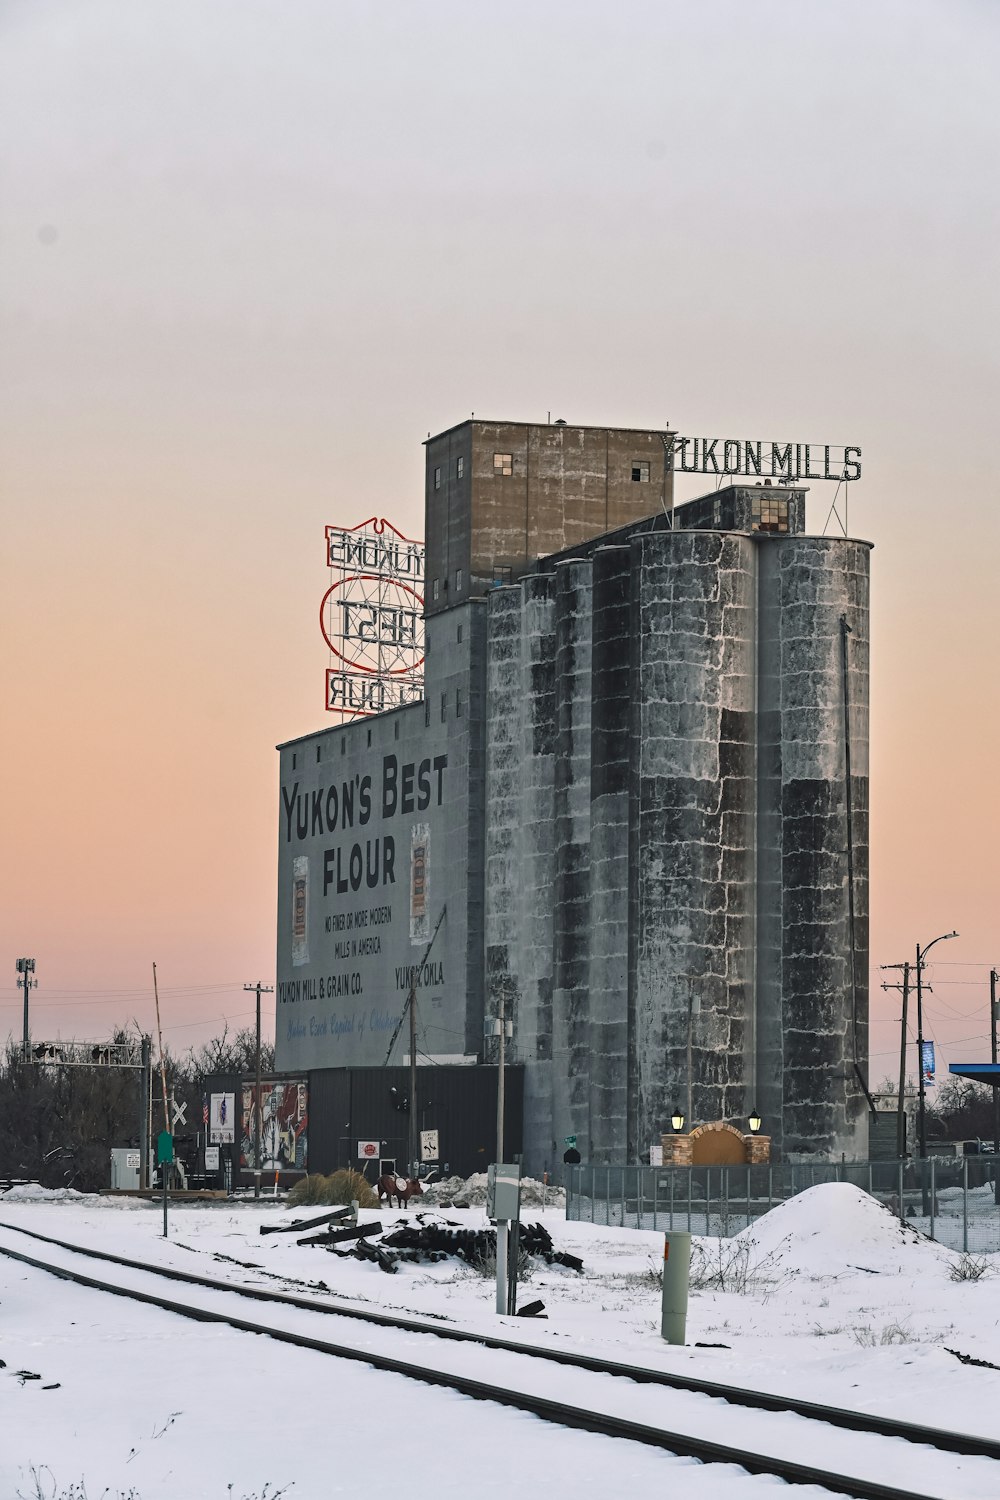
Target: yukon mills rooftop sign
[[788, 463]]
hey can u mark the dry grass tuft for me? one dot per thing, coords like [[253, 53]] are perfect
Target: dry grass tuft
[[971, 1267], [342, 1187]]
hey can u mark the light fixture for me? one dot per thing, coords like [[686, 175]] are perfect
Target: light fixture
[[755, 1121], [677, 1120]]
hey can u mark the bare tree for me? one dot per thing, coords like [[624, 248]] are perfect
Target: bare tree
[[58, 1123], [229, 1054]]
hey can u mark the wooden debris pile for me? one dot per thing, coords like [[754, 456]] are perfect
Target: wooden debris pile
[[426, 1238]]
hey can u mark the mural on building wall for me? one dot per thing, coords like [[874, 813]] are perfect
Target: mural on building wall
[[284, 1126]]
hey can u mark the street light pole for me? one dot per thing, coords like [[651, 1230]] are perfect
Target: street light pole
[[921, 1112], [690, 1051]]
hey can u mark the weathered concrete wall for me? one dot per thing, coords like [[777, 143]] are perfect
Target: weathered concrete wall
[[693, 872], [533, 1035], [609, 819], [447, 519], [813, 1028], [520, 839], [504, 926], [571, 906]]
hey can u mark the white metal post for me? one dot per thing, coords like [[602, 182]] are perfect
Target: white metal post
[[502, 1231]]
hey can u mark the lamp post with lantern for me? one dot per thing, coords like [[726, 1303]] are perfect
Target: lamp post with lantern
[[921, 1115]]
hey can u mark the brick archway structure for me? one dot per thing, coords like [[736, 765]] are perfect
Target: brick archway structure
[[717, 1145]]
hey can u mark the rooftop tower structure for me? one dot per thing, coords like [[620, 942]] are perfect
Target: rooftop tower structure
[[499, 495]]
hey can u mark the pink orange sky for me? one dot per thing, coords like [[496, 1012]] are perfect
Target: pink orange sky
[[251, 253]]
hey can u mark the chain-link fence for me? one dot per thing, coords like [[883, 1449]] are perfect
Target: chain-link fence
[[955, 1200]]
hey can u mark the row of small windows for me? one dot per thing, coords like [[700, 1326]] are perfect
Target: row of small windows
[[459, 713], [343, 742], [459, 708], [459, 583], [503, 467], [427, 641], [459, 471]]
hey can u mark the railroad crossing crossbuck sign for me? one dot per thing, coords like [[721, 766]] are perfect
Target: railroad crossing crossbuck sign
[[179, 1112]]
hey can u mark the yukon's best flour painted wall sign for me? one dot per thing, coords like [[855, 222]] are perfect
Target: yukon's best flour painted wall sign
[[372, 619], [373, 846]]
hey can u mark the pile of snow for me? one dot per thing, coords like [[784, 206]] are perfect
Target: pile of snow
[[835, 1228], [32, 1192], [458, 1192], [470, 1192]]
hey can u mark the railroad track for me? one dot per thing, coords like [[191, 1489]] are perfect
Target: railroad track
[[566, 1413]]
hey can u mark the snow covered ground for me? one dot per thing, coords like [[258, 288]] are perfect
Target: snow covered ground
[[827, 1298]]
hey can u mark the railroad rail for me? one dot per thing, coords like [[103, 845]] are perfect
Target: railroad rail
[[563, 1413]]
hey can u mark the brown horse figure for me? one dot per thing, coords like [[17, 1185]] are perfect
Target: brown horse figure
[[400, 1188]]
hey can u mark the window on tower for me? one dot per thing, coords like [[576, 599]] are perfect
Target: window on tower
[[770, 512]]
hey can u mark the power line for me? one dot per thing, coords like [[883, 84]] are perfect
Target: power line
[[181, 989]]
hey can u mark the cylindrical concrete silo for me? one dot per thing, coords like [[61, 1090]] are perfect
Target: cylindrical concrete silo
[[609, 843], [532, 1043], [571, 907], [813, 968], [692, 876], [503, 798]]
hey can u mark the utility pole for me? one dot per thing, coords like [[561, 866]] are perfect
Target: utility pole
[[144, 1087], [414, 1113], [994, 1017], [501, 1058], [410, 1005], [901, 1106], [262, 989], [25, 969], [164, 1165]]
